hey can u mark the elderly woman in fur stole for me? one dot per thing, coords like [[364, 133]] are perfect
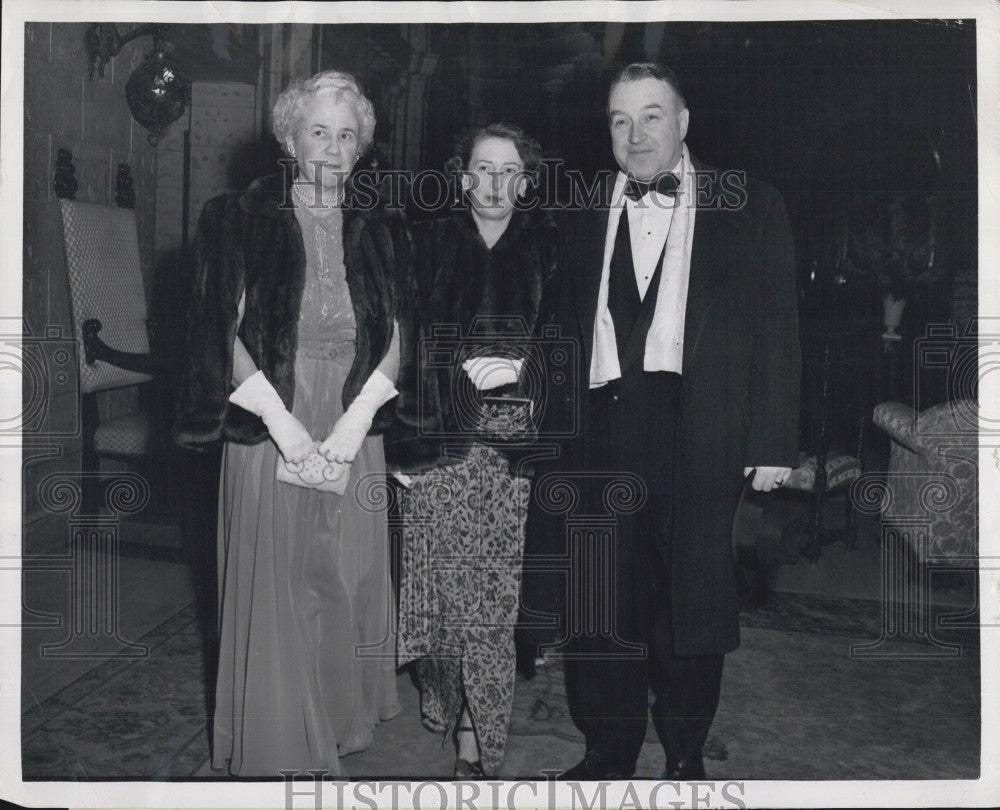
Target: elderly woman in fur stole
[[480, 273], [294, 355]]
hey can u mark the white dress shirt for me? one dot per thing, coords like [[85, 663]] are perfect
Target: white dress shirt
[[654, 220]]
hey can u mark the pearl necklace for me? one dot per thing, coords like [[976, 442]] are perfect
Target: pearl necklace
[[322, 210]]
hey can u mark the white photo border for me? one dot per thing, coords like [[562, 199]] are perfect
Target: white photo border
[[982, 792]]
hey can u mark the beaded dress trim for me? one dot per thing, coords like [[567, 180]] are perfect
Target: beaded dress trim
[[327, 326]]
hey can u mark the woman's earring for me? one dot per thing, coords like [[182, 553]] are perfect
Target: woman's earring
[[462, 185]]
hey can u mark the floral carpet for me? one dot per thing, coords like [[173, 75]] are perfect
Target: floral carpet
[[128, 717], [796, 678]]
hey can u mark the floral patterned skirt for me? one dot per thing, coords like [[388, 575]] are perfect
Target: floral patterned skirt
[[463, 539]]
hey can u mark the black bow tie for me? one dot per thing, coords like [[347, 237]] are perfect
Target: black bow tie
[[666, 184]]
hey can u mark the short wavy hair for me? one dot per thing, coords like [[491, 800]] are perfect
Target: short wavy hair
[[287, 115], [648, 70], [528, 149]]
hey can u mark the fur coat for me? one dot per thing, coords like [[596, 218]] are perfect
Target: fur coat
[[468, 299], [250, 242]]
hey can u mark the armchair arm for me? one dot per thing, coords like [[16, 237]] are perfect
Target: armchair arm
[[96, 349], [948, 427], [899, 420]]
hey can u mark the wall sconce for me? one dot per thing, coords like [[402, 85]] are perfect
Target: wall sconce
[[157, 93]]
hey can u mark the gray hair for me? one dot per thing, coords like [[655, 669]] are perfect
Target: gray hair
[[287, 115]]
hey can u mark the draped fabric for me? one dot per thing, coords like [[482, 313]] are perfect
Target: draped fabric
[[306, 661]]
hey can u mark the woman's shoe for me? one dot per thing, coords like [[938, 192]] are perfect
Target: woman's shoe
[[464, 769], [432, 725], [468, 770]]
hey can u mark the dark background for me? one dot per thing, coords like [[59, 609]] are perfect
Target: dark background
[[840, 115]]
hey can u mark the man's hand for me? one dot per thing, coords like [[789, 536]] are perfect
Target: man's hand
[[767, 478]]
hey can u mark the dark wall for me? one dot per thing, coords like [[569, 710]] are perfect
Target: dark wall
[[842, 116], [834, 104], [822, 109]]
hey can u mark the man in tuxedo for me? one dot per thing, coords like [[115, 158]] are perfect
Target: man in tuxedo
[[678, 291]]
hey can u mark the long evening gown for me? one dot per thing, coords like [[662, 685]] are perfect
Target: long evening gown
[[307, 651]]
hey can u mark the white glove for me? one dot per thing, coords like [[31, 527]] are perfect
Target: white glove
[[340, 470], [403, 478], [258, 396], [766, 479], [345, 439], [487, 373]]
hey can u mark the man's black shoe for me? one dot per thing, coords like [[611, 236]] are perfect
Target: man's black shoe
[[595, 767], [684, 770]]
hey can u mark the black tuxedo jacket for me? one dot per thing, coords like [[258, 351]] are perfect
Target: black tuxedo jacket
[[739, 396]]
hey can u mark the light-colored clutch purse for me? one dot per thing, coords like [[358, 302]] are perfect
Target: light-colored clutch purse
[[315, 473]]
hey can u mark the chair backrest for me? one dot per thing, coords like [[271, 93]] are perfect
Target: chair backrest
[[105, 282]]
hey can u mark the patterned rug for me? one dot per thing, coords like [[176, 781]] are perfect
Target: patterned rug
[[540, 709], [127, 718], [145, 718]]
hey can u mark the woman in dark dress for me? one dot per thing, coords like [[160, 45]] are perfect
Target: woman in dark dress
[[292, 356], [480, 274]]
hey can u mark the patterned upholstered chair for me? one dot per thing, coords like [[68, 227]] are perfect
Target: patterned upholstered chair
[[837, 471], [108, 306], [826, 472], [933, 476]]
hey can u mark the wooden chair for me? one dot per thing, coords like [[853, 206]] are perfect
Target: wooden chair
[[827, 470], [780, 527], [830, 463], [108, 307]]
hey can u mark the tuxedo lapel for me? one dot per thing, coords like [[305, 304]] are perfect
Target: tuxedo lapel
[[715, 232], [588, 246]]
